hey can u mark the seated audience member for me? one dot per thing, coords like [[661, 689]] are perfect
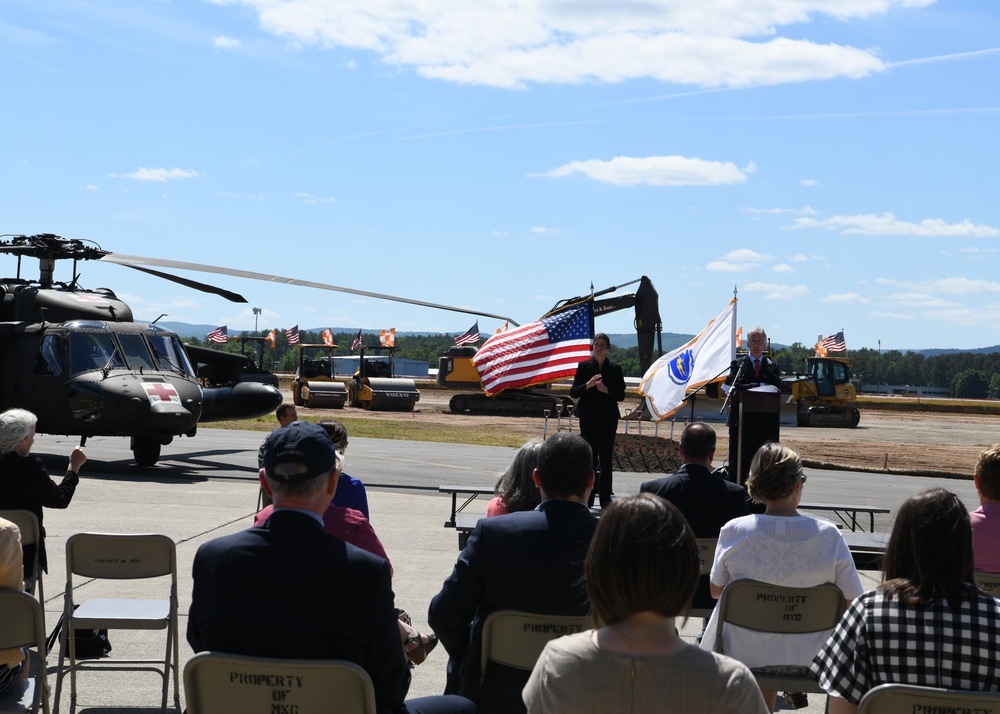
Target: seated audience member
[[530, 561], [516, 489], [782, 547], [326, 598], [351, 492], [707, 500], [986, 518], [927, 623], [13, 662], [634, 661]]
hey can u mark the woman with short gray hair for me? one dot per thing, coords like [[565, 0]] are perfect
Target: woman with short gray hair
[[25, 484]]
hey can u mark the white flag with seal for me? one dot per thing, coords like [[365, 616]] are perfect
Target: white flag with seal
[[693, 365]]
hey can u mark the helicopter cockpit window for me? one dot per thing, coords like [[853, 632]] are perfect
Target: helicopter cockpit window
[[49, 357], [136, 354], [93, 350], [170, 354]]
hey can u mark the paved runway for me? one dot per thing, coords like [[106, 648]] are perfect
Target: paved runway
[[207, 486]]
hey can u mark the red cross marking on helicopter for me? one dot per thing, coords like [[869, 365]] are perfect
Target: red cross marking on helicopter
[[161, 392]]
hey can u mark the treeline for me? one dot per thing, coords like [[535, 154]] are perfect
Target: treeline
[[966, 374]]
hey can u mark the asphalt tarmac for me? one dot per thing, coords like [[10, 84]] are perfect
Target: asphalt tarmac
[[206, 487]]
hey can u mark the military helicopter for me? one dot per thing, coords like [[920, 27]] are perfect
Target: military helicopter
[[76, 358]]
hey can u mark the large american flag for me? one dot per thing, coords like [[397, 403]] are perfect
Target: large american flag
[[469, 336], [292, 333], [219, 334], [539, 352], [835, 343]]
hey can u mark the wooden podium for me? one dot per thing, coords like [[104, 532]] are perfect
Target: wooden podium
[[759, 416]]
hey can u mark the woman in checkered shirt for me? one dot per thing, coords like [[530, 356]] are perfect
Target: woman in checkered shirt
[[927, 623]]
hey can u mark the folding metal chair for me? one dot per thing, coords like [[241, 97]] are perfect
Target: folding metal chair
[[907, 699], [763, 607], [990, 582], [120, 557], [23, 626], [516, 639], [216, 682], [706, 555], [31, 534]]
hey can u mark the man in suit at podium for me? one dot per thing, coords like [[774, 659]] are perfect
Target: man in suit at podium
[[753, 370]]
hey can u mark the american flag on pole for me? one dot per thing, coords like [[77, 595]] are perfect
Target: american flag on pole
[[388, 337], [835, 343], [539, 352], [272, 338], [469, 336], [292, 333], [219, 334], [328, 337], [357, 341]]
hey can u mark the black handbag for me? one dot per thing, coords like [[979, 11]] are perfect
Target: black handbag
[[89, 644]]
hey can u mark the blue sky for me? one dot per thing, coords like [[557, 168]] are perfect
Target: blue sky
[[834, 159]]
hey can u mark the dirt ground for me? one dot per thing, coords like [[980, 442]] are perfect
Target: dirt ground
[[914, 442]]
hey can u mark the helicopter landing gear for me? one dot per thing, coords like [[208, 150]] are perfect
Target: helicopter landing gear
[[146, 450]]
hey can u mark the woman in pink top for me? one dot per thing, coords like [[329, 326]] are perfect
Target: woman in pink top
[[986, 518], [516, 489]]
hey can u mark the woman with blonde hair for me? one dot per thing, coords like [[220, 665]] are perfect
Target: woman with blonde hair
[[641, 572], [782, 547]]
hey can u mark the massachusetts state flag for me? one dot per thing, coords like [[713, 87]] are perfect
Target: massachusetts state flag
[[219, 334], [388, 337], [292, 333], [328, 337], [271, 338], [536, 353], [469, 337], [357, 341], [704, 359]]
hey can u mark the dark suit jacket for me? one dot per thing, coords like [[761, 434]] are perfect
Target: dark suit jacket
[[25, 484], [287, 589], [530, 561], [707, 501], [769, 373], [595, 404]]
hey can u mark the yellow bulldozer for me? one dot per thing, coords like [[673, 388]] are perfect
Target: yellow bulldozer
[[824, 395]]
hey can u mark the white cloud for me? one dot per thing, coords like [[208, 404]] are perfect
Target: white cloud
[[90, 187], [947, 286], [738, 261], [144, 174], [510, 43], [922, 300], [724, 266], [746, 254], [314, 200], [774, 291], [888, 225], [809, 183], [893, 315], [783, 268], [226, 43], [654, 171], [545, 231], [847, 298]]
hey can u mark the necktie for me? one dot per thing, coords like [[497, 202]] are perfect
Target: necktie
[[756, 368]]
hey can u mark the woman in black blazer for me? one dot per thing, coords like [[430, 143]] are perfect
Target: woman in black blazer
[[599, 385]]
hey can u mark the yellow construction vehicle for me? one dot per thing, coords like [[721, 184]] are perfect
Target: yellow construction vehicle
[[314, 385], [375, 388], [824, 395]]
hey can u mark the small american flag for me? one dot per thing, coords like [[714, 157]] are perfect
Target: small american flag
[[357, 341], [835, 343], [536, 353], [219, 334], [292, 333], [470, 336]]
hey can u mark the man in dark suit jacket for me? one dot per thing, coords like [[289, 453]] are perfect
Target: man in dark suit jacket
[[530, 561], [707, 501], [287, 589]]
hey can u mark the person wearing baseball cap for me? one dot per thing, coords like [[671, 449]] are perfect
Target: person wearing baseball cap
[[288, 589]]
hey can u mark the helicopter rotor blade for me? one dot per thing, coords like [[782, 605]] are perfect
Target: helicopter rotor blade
[[205, 288], [135, 261]]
